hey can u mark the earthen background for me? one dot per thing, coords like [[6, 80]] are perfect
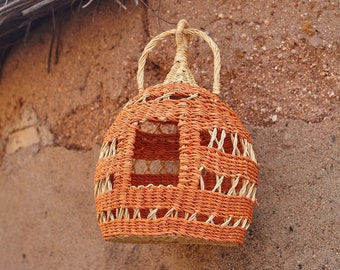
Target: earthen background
[[280, 73]]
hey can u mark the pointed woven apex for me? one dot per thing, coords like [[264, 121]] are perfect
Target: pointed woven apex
[[180, 72]]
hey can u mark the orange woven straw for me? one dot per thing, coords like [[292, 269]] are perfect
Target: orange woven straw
[[177, 165]]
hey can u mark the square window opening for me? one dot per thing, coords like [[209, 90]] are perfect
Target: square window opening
[[156, 154], [104, 185], [212, 182], [226, 185], [220, 139]]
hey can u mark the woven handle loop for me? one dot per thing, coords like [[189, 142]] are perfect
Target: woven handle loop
[[180, 70]]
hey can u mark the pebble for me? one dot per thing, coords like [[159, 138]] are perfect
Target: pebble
[[273, 117], [21, 139], [316, 41], [278, 109], [27, 131]]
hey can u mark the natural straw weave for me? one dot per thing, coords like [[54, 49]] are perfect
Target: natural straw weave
[[177, 164]]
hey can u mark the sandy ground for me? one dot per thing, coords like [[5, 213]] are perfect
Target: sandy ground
[[280, 73]]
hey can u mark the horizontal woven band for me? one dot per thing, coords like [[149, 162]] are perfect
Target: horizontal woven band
[[199, 201], [224, 164]]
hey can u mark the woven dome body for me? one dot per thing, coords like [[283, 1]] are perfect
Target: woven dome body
[[177, 165]]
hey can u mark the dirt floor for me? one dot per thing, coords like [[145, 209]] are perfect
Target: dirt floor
[[280, 73]]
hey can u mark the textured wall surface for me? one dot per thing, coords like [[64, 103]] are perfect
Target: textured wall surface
[[279, 73]]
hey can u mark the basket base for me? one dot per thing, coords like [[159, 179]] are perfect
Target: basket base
[[168, 239], [171, 230]]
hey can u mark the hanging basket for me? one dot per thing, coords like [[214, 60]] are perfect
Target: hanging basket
[[177, 165]]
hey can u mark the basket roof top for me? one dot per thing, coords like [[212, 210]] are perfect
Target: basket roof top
[[174, 102]]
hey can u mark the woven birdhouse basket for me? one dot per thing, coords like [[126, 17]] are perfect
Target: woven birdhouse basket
[[177, 165]]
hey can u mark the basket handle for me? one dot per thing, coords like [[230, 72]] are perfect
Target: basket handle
[[180, 71]]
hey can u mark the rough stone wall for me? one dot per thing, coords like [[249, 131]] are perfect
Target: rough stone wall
[[279, 73]]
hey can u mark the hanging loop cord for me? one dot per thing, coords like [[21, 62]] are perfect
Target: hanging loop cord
[[180, 71]]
